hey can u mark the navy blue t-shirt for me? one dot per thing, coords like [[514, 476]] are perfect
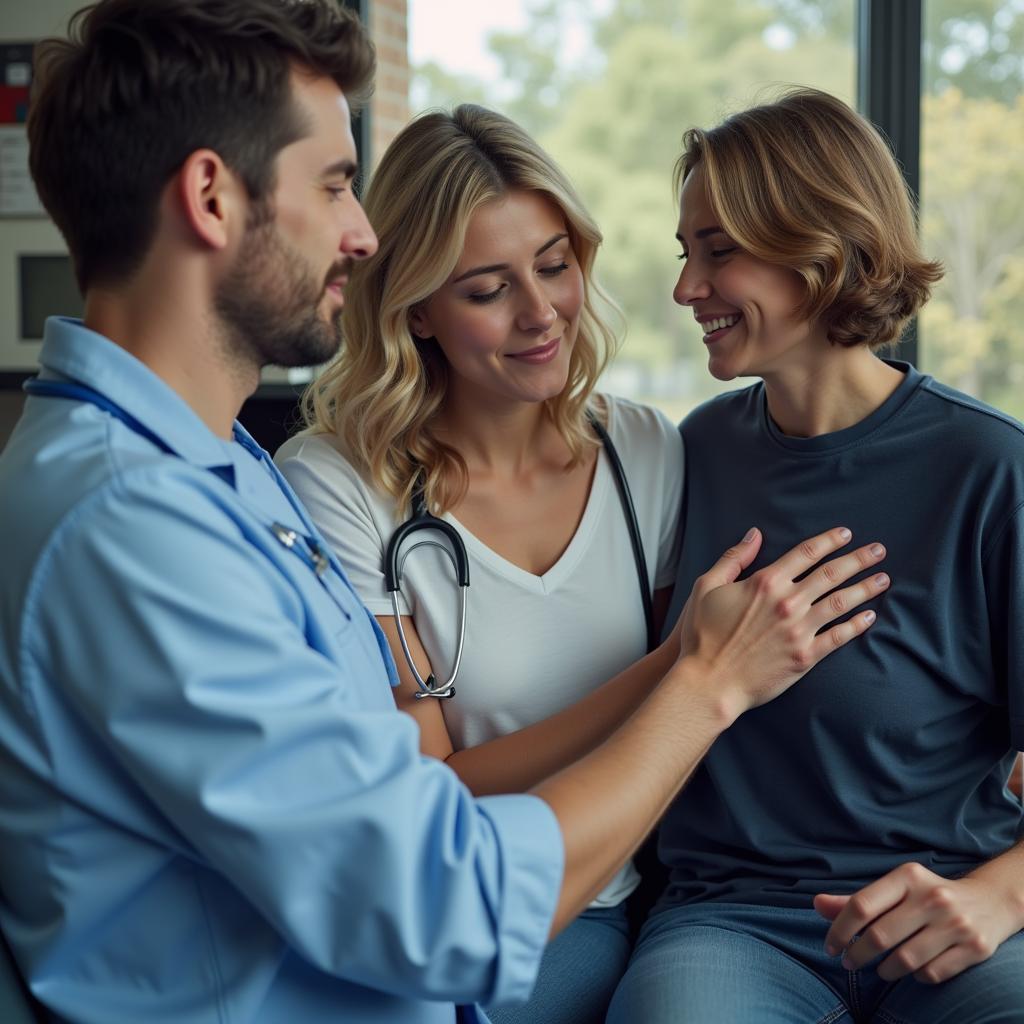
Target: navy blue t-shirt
[[897, 747]]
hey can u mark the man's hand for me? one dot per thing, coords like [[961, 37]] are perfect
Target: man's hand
[[756, 637], [935, 927]]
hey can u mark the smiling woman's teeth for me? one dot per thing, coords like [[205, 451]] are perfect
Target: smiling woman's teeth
[[719, 322]]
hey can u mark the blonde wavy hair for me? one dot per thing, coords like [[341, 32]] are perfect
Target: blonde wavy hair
[[380, 397], [807, 183]]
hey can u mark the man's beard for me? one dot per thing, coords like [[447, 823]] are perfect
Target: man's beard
[[269, 303]]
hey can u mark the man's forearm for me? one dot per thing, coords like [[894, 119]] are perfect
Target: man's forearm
[[522, 759], [610, 800]]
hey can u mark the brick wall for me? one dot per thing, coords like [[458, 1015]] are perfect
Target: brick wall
[[389, 109]]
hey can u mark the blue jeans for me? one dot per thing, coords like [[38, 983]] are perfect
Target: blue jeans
[[578, 972], [729, 963]]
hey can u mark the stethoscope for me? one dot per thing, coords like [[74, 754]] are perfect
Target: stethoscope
[[307, 548], [422, 520]]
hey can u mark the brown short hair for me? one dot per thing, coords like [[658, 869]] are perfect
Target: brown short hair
[[808, 183], [138, 85]]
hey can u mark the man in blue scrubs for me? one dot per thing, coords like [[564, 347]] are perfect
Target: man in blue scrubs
[[211, 810]]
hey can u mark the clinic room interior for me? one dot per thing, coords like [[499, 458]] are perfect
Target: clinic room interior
[[608, 88]]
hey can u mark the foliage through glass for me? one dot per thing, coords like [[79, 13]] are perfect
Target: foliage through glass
[[614, 117]]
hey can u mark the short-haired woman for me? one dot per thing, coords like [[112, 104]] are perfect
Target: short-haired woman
[[846, 852]]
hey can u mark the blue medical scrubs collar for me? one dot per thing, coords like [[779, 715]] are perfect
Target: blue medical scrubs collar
[[308, 549]]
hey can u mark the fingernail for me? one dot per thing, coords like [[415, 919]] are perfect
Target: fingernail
[[845, 533], [877, 550], [751, 534], [869, 617], [848, 964], [881, 579], [832, 949]]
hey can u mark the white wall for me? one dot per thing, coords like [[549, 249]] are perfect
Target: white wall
[[26, 21]]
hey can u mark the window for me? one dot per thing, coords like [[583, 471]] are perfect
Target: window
[[608, 87], [972, 197]]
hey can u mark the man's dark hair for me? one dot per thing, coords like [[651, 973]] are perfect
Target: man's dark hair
[[138, 85]]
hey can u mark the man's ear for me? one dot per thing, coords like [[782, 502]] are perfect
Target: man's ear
[[419, 323], [212, 198]]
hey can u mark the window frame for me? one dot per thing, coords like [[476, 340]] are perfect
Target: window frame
[[363, 120], [888, 43]]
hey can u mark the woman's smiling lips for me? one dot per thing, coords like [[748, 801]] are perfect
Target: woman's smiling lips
[[716, 325], [540, 353]]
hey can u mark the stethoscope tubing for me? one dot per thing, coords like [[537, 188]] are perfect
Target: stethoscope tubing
[[421, 520], [629, 510]]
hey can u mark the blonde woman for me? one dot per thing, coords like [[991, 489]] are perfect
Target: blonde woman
[[846, 853], [473, 341]]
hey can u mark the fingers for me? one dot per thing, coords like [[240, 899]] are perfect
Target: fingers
[[901, 930], [916, 953], [919, 918], [810, 552], [728, 568], [829, 906], [829, 575], [840, 602], [863, 907], [952, 962], [838, 636]]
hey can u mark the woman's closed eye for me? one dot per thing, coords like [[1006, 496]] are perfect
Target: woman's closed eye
[[482, 298], [714, 253], [554, 271]]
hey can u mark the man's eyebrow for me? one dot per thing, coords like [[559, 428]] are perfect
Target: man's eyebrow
[[554, 239], [345, 168]]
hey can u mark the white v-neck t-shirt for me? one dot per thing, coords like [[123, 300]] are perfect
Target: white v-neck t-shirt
[[534, 644]]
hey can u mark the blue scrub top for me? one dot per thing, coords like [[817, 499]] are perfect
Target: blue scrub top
[[211, 810]]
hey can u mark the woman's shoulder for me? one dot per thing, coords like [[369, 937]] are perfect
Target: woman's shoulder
[[315, 462], [633, 423], [989, 428], [319, 452], [650, 448]]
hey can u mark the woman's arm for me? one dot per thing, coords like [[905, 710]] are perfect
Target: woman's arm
[[518, 761]]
